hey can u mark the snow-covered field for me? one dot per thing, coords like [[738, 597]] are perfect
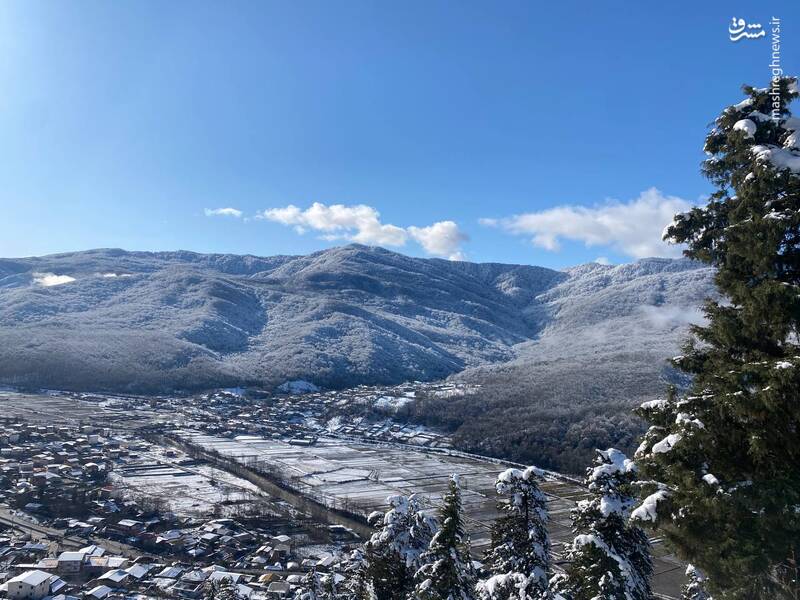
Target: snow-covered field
[[187, 488], [360, 477]]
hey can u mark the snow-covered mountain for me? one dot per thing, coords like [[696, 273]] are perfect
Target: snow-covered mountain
[[110, 319]]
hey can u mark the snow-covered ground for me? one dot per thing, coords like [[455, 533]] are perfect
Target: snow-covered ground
[[188, 490], [360, 477]]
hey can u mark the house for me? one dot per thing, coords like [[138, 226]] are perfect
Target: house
[[170, 572], [98, 593], [56, 585], [30, 585], [70, 562], [93, 550], [130, 525], [116, 577], [220, 575], [279, 589], [138, 571]]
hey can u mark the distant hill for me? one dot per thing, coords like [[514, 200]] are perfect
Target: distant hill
[[157, 322]]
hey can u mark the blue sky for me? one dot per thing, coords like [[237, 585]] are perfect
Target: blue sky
[[122, 122]]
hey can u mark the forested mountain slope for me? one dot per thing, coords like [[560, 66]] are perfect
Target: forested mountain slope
[[154, 322]]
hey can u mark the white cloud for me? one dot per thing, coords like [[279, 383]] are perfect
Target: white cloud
[[602, 260], [359, 223], [362, 224], [223, 212], [442, 239], [51, 279], [633, 228]]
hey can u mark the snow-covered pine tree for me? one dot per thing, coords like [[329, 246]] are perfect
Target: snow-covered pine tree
[[221, 589], [724, 458], [609, 559], [447, 572], [330, 591], [518, 558], [311, 587], [508, 586], [356, 586], [394, 553], [696, 588]]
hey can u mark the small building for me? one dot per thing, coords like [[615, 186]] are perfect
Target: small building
[[115, 577], [70, 562], [30, 585], [130, 526], [99, 592]]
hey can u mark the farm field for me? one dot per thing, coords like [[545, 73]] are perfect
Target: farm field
[[184, 486], [359, 477]]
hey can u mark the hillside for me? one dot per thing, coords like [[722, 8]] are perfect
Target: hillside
[[152, 322], [603, 350]]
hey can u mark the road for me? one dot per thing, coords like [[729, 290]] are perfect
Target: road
[[59, 537]]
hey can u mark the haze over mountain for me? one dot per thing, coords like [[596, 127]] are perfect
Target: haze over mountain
[[153, 322]]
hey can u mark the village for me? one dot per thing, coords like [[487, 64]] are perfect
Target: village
[[71, 525], [110, 496], [366, 413], [92, 507]]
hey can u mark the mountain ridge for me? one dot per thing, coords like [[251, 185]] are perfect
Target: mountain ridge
[[160, 321]]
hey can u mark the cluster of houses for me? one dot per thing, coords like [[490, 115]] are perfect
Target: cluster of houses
[[59, 512], [365, 413], [56, 478], [50, 470], [262, 565], [91, 574]]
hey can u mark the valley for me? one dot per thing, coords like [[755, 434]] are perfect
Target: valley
[[267, 465]]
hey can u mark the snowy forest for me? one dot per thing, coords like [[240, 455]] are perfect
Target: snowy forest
[[716, 474]]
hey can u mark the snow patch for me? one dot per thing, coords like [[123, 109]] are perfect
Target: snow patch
[[654, 404], [747, 126], [619, 463], [392, 403], [298, 386], [688, 420], [780, 158], [667, 444], [648, 510]]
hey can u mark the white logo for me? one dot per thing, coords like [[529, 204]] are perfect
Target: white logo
[[739, 29]]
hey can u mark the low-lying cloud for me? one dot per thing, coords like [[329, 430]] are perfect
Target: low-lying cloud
[[632, 228], [670, 316], [51, 279]]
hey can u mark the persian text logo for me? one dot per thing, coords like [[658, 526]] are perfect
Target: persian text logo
[[739, 29]]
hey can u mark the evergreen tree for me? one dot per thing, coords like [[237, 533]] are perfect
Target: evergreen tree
[[609, 558], [356, 585], [696, 588], [518, 558], [311, 587], [330, 590], [723, 459], [447, 572], [221, 589], [394, 553], [509, 586]]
